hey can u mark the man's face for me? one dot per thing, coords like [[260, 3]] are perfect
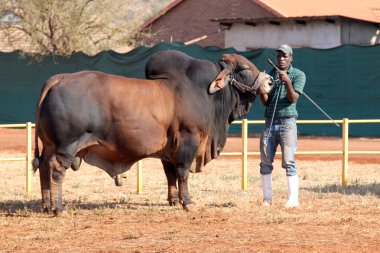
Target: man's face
[[283, 60]]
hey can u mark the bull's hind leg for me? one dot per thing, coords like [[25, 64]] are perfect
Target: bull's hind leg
[[170, 173], [51, 176], [61, 159], [57, 173], [44, 172]]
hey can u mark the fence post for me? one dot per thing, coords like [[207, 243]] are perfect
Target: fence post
[[28, 157], [345, 152], [244, 135], [139, 177]]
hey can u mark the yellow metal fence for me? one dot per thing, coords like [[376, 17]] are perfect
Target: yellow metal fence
[[244, 153], [28, 150], [344, 152]]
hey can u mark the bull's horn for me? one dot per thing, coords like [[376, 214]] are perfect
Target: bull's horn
[[220, 81]]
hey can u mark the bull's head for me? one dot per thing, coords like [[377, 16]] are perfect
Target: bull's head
[[241, 73]]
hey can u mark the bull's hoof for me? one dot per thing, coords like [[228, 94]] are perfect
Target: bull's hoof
[[76, 163], [174, 202], [59, 212], [62, 213], [45, 207], [189, 208], [118, 181]]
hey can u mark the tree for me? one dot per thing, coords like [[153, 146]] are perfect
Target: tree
[[62, 27]]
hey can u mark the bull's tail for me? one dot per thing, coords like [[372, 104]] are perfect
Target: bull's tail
[[36, 160], [45, 89]]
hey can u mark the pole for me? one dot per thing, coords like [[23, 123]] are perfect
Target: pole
[[303, 93], [345, 152], [139, 177], [306, 96], [244, 136], [28, 171]]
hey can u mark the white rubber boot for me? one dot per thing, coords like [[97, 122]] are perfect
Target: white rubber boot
[[293, 186], [267, 189]]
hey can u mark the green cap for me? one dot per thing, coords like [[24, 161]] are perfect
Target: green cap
[[286, 49]]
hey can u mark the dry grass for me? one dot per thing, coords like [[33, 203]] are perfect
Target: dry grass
[[104, 218]]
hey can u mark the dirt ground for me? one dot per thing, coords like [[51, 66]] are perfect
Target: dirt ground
[[104, 218]]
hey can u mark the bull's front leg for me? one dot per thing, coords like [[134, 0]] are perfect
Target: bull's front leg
[[171, 176], [186, 153], [183, 191]]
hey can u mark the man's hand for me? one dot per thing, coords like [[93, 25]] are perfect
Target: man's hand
[[284, 77], [291, 93]]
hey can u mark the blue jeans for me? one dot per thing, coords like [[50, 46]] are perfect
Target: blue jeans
[[283, 132]]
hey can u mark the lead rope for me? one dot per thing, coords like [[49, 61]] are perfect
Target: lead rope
[[274, 110]]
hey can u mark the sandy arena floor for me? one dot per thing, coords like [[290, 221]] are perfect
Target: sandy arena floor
[[104, 218]]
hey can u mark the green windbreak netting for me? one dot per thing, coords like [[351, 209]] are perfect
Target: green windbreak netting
[[344, 81]]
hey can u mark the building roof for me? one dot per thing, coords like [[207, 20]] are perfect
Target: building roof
[[227, 22], [161, 13], [366, 10], [189, 21]]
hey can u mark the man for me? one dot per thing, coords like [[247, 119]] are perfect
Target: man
[[280, 125]]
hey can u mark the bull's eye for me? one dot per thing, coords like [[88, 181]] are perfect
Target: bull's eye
[[244, 73], [246, 77]]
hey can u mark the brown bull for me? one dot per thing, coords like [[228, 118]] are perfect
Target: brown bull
[[112, 122]]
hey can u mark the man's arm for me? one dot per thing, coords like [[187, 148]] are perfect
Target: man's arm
[[291, 93]]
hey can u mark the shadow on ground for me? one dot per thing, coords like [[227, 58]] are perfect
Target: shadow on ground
[[353, 189], [22, 208]]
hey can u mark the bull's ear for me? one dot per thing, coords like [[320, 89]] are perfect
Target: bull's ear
[[220, 81]]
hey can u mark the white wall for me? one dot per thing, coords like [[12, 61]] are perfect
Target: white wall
[[316, 34], [360, 33]]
